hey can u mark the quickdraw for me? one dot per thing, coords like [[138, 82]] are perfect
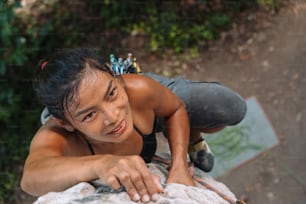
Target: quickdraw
[[120, 66]]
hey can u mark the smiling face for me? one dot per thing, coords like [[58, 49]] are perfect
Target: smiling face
[[101, 110]]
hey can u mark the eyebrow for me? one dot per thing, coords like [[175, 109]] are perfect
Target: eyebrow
[[109, 86]]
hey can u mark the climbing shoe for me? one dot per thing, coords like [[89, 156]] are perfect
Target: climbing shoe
[[201, 155]]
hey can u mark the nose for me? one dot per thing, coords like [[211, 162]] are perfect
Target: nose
[[111, 115]]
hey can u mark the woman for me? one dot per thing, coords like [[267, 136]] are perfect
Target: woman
[[103, 126]]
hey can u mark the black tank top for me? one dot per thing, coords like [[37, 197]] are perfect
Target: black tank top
[[149, 145], [148, 148]]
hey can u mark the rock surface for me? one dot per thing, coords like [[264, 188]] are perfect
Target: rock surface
[[86, 193]]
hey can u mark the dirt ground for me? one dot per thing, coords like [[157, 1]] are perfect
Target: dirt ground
[[262, 56], [276, 76]]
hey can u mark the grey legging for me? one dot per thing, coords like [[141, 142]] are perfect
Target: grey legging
[[209, 104]]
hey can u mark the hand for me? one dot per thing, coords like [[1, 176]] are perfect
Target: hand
[[180, 175], [132, 173]]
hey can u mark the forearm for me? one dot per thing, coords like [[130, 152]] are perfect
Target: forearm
[[178, 136], [178, 130], [57, 173]]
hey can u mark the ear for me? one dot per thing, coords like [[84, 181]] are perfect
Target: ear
[[64, 125]]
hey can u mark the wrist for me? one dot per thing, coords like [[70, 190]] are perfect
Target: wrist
[[97, 160], [179, 162]]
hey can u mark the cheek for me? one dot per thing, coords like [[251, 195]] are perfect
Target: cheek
[[123, 99], [92, 129], [126, 106]]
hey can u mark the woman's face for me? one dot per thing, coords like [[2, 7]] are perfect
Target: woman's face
[[102, 112]]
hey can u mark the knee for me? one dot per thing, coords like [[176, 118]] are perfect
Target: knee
[[230, 107], [237, 109], [214, 105]]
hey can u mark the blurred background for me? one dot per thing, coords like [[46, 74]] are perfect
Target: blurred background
[[256, 47]]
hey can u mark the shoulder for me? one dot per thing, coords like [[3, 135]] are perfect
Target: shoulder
[[145, 92], [139, 81], [51, 139], [143, 88]]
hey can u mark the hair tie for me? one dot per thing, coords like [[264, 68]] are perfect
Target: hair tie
[[43, 65]]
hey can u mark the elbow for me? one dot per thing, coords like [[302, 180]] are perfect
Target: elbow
[[26, 185]]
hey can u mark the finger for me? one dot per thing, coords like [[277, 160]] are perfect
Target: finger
[[140, 186], [158, 182], [151, 183], [113, 182], [131, 190]]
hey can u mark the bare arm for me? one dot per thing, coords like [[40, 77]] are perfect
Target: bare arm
[[178, 135], [56, 173], [50, 166], [167, 105]]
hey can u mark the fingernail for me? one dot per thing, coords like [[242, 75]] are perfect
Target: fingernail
[[136, 197], [155, 197], [145, 198]]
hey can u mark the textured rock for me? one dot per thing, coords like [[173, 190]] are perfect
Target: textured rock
[[95, 192]]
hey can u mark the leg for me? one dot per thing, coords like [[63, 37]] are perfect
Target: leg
[[195, 133], [212, 107], [209, 105]]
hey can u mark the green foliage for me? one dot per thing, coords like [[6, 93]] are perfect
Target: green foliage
[[168, 24], [268, 4], [28, 36], [18, 119]]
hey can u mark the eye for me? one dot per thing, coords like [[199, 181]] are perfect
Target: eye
[[113, 92], [89, 116]]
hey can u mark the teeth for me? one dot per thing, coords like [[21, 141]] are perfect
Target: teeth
[[116, 129]]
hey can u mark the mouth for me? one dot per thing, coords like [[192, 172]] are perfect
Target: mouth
[[118, 130]]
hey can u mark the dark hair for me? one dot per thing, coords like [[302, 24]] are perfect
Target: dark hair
[[60, 76]]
